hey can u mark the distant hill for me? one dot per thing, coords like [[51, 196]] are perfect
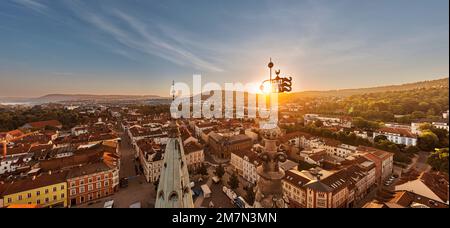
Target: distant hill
[[439, 83], [77, 97]]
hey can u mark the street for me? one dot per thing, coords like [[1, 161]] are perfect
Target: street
[[138, 189]]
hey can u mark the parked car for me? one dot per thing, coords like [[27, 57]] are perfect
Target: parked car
[[123, 182], [109, 204]]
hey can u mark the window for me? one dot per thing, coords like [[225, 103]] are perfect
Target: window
[[62, 196], [106, 176], [46, 191], [90, 180], [9, 200], [106, 183], [29, 195], [46, 200], [99, 185], [90, 187], [54, 189], [55, 198], [62, 187], [72, 184], [73, 191], [38, 193], [19, 197], [81, 182], [99, 178], [38, 201], [81, 189]]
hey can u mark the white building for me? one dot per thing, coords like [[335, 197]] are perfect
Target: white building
[[445, 114], [245, 163], [151, 157], [441, 125], [398, 136]]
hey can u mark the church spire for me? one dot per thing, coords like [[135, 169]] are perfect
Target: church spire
[[173, 189]]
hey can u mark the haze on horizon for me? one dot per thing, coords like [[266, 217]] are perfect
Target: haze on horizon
[[138, 47]]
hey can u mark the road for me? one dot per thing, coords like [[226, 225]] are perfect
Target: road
[[138, 189], [218, 198], [421, 164], [127, 159]]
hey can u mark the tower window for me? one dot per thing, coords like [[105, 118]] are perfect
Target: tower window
[[173, 196], [161, 195]]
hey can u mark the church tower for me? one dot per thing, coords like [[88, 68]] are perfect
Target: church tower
[[174, 186]]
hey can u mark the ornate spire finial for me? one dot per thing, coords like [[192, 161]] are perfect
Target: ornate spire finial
[[173, 90]]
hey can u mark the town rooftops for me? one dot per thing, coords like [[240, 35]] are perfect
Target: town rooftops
[[398, 131], [231, 139], [15, 133], [380, 154], [29, 183], [43, 124], [192, 147], [81, 157], [430, 185], [88, 169], [251, 155], [406, 199]]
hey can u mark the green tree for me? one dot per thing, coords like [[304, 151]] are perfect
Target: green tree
[[439, 160], [318, 123], [233, 181], [202, 170], [250, 195], [428, 141], [220, 171], [380, 138]]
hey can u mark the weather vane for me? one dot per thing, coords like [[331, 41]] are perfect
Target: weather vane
[[277, 84]]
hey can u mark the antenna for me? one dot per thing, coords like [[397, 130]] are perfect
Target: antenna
[[173, 90], [270, 67]]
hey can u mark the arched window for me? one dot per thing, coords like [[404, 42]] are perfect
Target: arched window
[[161, 195], [173, 196]]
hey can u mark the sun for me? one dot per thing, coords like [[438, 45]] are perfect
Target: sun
[[266, 88]]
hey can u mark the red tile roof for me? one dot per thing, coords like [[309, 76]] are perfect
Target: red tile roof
[[43, 124], [400, 131]]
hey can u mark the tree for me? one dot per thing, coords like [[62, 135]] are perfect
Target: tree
[[250, 195], [220, 171], [318, 123], [439, 160], [234, 181], [380, 138], [412, 149], [202, 170], [428, 141]]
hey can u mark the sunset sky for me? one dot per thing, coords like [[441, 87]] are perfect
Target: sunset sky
[[140, 46]]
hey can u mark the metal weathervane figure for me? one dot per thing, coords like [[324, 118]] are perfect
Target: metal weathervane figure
[[269, 190]]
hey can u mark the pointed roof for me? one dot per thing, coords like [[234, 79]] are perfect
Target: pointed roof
[[173, 189], [318, 186]]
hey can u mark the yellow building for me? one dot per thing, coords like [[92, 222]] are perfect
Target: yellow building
[[44, 190]]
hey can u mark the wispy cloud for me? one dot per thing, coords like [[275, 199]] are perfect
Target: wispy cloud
[[33, 5], [137, 36]]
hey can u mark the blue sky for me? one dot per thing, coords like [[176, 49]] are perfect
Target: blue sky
[[139, 46]]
